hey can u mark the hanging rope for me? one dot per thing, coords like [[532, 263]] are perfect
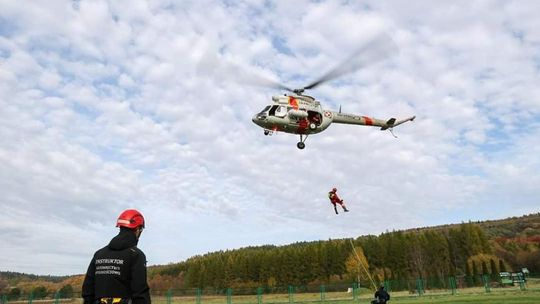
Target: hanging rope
[[361, 264]]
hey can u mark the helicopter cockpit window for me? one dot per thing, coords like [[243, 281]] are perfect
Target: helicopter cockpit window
[[264, 110], [281, 111], [273, 110]]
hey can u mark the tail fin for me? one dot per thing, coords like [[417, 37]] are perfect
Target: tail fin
[[389, 124]]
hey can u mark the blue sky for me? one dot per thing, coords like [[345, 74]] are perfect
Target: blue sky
[[103, 107]]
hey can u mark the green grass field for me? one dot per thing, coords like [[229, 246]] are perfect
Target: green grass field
[[477, 295], [513, 297], [507, 296]]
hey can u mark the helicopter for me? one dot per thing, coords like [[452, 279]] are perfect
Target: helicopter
[[303, 115], [298, 113]]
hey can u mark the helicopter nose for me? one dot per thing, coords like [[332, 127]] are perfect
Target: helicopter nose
[[257, 119]]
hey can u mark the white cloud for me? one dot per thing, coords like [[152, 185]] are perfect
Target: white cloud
[[103, 108]]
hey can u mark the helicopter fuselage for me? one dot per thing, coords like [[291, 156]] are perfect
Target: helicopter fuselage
[[294, 114], [303, 115]]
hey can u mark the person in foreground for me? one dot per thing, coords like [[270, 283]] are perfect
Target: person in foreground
[[117, 272], [381, 296]]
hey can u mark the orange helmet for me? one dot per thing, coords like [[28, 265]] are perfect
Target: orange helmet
[[130, 218]]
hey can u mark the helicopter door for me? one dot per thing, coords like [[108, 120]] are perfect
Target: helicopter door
[[315, 117], [281, 111], [278, 111]]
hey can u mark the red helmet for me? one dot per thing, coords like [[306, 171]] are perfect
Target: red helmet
[[334, 189], [130, 218]]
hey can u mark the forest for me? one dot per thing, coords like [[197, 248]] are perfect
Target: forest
[[465, 251]]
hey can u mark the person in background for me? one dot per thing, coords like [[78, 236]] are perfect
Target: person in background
[[381, 296]]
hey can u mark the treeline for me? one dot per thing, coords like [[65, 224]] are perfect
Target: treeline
[[271, 266], [462, 250], [16, 286], [18, 276], [513, 227], [432, 253], [38, 292], [296, 264]]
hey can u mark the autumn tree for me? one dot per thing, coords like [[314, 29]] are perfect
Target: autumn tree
[[357, 265], [468, 275], [66, 291], [494, 270], [502, 266], [14, 294], [39, 292], [3, 285], [485, 270], [474, 273]]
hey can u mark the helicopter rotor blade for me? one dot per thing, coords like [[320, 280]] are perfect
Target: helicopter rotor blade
[[374, 51], [261, 81], [211, 65]]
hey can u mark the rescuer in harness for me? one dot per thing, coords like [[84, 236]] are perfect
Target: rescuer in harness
[[334, 199], [117, 272]]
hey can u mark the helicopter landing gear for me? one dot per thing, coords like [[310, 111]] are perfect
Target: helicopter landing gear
[[266, 132], [301, 145]]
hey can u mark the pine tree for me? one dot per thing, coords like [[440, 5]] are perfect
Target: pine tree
[[39, 292], [494, 271], [468, 275], [474, 273], [438, 255], [4, 284], [416, 258], [484, 268], [502, 267], [14, 294], [455, 247]]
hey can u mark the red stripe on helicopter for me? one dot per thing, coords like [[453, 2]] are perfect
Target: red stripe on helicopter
[[293, 102], [368, 120]]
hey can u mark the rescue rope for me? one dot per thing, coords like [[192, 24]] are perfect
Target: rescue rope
[[361, 264]]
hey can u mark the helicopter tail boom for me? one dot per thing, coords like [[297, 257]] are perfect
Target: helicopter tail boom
[[351, 119], [344, 118]]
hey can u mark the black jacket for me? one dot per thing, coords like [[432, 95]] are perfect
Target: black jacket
[[117, 270], [382, 295]]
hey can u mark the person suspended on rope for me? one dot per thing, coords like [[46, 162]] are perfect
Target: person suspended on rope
[[381, 296], [334, 200]]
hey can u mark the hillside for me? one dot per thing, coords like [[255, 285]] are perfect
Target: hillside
[[512, 227], [15, 277], [439, 251]]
